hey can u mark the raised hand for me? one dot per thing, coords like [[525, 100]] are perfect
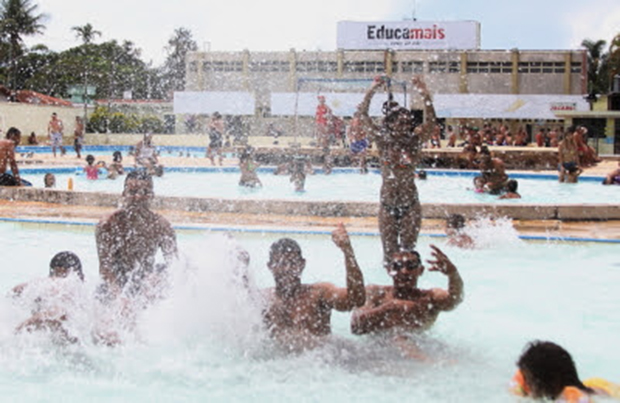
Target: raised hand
[[441, 263], [340, 236]]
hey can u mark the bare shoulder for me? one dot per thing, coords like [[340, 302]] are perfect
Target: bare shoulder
[[377, 293]]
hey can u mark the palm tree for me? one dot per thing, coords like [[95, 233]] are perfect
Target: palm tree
[[86, 33], [613, 61], [596, 57], [18, 18]]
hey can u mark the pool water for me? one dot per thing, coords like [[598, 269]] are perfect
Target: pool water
[[343, 185], [205, 343]]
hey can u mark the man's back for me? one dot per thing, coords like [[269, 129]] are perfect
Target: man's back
[[7, 153]]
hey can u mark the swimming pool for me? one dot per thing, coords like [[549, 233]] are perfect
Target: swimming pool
[[442, 186], [204, 344]]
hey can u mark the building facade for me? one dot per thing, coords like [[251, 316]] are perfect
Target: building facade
[[556, 72]]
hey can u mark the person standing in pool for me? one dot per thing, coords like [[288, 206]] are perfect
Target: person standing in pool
[[129, 239], [399, 140], [216, 136], [568, 156], [298, 315]]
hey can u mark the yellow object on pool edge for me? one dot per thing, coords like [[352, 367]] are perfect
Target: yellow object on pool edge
[[70, 184], [603, 387]]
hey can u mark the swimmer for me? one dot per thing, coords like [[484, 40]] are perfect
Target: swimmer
[[298, 315], [116, 167], [91, 170], [58, 299], [248, 167], [49, 180], [403, 306], [547, 371], [455, 225], [493, 172], [511, 190]]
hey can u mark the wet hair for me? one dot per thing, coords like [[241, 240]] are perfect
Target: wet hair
[[141, 175], [422, 174], [90, 159], [67, 260], [512, 185], [49, 175], [456, 221], [284, 245], [548, 369], [571, 129], [12, 132], [117, 156]]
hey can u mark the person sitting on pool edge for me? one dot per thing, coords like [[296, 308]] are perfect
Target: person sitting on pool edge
[[547, 371], [52, 310], [298, 315], [403, 307], [455, 225]]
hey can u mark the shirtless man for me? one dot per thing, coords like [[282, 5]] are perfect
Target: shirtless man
[[493, 172], [146, 156], [613, 178], [298, 315], [403, 308], [7, 157], [568, 157], [129, 239], [54, 130]]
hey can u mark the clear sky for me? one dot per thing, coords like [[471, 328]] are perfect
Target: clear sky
[[311, 25]]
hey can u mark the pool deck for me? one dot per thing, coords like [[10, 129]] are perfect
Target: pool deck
[[12, 208]]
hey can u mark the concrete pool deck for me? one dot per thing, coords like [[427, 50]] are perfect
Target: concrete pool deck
[[563, 221]]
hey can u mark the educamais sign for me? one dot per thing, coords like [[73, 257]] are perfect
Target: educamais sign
[[408, 35]]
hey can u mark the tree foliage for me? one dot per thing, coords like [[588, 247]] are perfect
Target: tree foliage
[[179, 45]]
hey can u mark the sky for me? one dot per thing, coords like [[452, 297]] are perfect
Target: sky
[[276, 25]]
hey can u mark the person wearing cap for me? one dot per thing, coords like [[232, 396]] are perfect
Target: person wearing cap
[[399, 140], [54, 298], [129, 239], [298, 315]]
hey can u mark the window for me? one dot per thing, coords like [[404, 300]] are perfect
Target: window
[[315, 66], [412, 67], [222, 66], [489, 67], [364, 67], [270, 66]]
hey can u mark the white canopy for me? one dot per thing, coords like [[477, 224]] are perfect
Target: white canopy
[[226, 103], [506, 106]]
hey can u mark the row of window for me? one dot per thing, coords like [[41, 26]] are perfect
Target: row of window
[[415, 67]]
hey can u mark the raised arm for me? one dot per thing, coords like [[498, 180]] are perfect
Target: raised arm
[[105, 250], [365, 105], [168, 242], [442, 299], [425, 131], [355, 294]]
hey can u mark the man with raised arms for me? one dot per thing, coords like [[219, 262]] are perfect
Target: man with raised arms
[[129, 239], [298, 315]]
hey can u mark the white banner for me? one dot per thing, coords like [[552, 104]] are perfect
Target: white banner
[[408, 35], [226, 103]]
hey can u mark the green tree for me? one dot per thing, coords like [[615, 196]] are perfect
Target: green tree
[[596, 59], [173, 72], [613, 61], [18, 18], [86, 33]]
